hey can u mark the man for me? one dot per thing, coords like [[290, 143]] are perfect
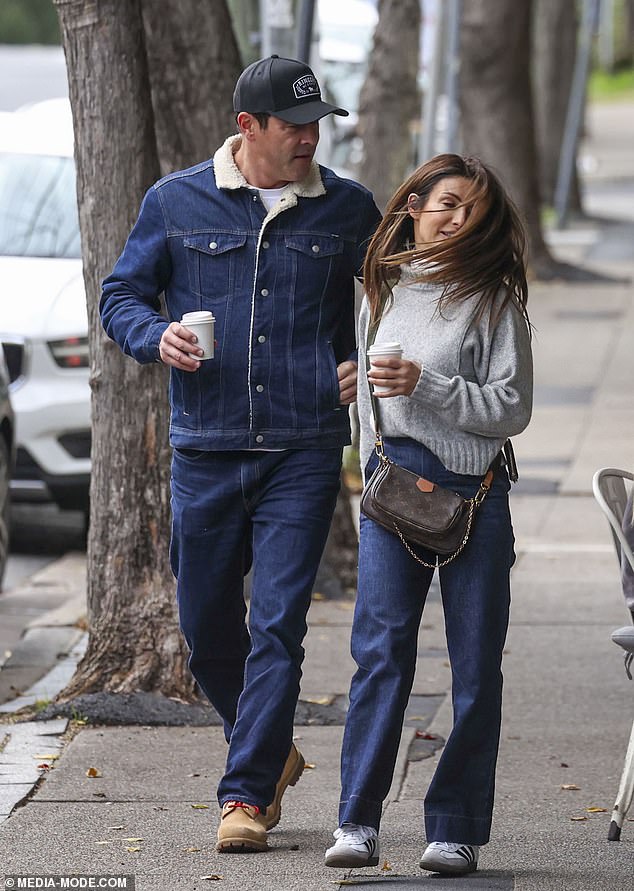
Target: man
[[270, 242]]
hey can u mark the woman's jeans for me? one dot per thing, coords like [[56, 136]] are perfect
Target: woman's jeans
[[231, 510], [475, 597]]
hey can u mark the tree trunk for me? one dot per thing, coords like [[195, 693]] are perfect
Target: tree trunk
[[134, 639], [496, 105], [337, 574], [555, 29], [389, 103], [193, 62]]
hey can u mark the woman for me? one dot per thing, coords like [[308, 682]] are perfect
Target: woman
[[445, 277]]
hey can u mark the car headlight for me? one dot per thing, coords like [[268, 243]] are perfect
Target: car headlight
[[72, 352]]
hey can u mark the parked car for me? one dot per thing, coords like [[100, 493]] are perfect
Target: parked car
[[7, 455], [43, 318]]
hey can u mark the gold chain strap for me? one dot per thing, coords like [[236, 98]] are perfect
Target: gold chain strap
[[472, 507]]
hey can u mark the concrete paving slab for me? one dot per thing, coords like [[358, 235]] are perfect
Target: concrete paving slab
[[48, 686], [11, 795], [131, 763], [40, 647], [177, 840]]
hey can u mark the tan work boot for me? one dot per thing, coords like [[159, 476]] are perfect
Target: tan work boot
[[291, 772], [241, 829]]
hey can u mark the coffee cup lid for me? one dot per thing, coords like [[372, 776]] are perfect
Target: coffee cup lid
[[391, 347], [198, 316]]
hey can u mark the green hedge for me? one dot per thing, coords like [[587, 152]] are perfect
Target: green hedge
[[29, 21]]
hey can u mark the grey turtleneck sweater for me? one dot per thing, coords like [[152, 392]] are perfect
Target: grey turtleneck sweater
[[476, 385]]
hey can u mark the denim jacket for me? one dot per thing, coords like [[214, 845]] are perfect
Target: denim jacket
[[280, 285]]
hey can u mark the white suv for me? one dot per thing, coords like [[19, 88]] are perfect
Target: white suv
[[43, 321]]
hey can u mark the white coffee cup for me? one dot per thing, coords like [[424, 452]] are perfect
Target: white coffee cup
[[202, 325], [388, 350]]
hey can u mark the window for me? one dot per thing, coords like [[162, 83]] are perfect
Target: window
[[38, 207]]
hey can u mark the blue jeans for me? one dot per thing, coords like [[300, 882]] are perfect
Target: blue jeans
[[231, 509], [392, 592]]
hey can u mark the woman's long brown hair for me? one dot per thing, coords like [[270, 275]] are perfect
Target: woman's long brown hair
[[485, 257]]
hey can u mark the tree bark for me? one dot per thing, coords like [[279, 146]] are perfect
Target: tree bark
[[134, 641], [555, 29], [194, 62], [389, 103], [496, 105]]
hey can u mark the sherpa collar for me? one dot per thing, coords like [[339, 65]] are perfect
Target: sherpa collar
[[228, 176]]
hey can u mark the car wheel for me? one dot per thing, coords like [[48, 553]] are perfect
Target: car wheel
[[4, 507]]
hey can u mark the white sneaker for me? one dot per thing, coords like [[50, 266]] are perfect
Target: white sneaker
[[354, 846], [450, 858]]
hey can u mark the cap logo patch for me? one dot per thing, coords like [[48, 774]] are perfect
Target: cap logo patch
[[306, 86]]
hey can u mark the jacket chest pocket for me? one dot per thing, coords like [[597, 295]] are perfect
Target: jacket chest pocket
[[313, 258], [214, 260]]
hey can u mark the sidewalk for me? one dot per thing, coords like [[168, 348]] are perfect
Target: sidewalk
[[151, 811]]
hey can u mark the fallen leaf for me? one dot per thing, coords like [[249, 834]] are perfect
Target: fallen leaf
[[317, 595], [134, 839], [570, 787], [46, 757], [133, 850], [103, 843], [192, 850], [158, 807], [320, 700], [92, 772], [98, 794], [193, 774], [201, 807], [578, 819], [212, 878], [563, 764], [597, 810], [308, 766], [44, 767], [386, 866], [113, 828], [422, 734]]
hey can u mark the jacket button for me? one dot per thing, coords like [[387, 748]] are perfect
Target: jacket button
[[261, 339], [265, 245], [213, 245], [259, 438], [315, 249], [264, 292], [260, 388]]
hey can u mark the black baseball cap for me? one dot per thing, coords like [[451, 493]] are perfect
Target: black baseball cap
[[285, 88]]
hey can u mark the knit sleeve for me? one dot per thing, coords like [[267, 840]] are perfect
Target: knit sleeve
[[499, 403]]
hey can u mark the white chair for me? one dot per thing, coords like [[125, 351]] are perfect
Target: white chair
[[610, 490]]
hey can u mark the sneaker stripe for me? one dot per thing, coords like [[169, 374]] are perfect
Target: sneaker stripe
[[467, 853]]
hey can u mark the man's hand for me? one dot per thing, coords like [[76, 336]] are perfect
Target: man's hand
[[176, 343], [347, 374], [399, 375]]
